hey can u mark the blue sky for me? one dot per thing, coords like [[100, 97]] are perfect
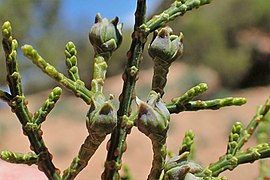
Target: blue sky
[[82, 12]]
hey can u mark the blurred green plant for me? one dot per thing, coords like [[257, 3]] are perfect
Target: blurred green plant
[[152, 116], [214, 34]]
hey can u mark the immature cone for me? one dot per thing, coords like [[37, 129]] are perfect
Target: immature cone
[[101, 118], [180, 168], [153, 116], [164, 49], [105, 35], [165, 46]]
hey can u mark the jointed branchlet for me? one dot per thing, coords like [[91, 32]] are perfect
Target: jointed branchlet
[[101, 118], [19, 158], [47, 106], [187, 142], [164, 49], [77, 87], [239, 136], [18, 104], [71, 61], [262, 137], [178, 8]]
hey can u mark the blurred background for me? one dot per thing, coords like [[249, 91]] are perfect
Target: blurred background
[[227, 45]]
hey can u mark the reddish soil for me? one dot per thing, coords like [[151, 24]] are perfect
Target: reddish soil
[[64, 131]]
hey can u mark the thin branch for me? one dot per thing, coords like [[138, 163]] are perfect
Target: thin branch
[[178, 8], [19, 158], [78, 87], [19, 105], [130, 77], [47, 106], [208, 104]]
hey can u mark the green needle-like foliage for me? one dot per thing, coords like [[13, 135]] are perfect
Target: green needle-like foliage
[[47, 106], [71, 61], [152, 117], [187, 142], [77, 87], [19, 158], [178, 8], [18, 104], [238, 137]]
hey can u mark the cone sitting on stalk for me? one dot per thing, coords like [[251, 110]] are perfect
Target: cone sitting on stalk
[[164, 49], [105, 35]]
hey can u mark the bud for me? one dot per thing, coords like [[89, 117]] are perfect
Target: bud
[[166, 47], [101, 118], [153, 116], [179, 167], [105, 35]]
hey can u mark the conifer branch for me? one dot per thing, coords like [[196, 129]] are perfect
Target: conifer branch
[[71, 61], [208, 104], [239, 136], [130, 77], [47, 106], [19, 106], [19, 158], [178, 8], [77, 87]]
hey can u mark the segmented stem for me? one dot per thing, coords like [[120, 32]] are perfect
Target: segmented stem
[[130, 76], [99, 74], [161, 70], [87, 150], [18, 104], [239, 137], [241, 157], [249, 130], [178, 8], [159, 156], [187, 142], [19, 158], [77, 87], [263, 137], [209, 104], [47, 106], [71, 61]]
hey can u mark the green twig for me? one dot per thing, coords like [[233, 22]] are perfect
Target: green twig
[[187, 142], [78, 87], [263, 137], [241, 157], [99, 72], [19, 158], [178, 8], [237, 139], [209, 104], [130, 76], [71, 61], [18, 105], [47, 106], [87, 150], [249, 130]]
